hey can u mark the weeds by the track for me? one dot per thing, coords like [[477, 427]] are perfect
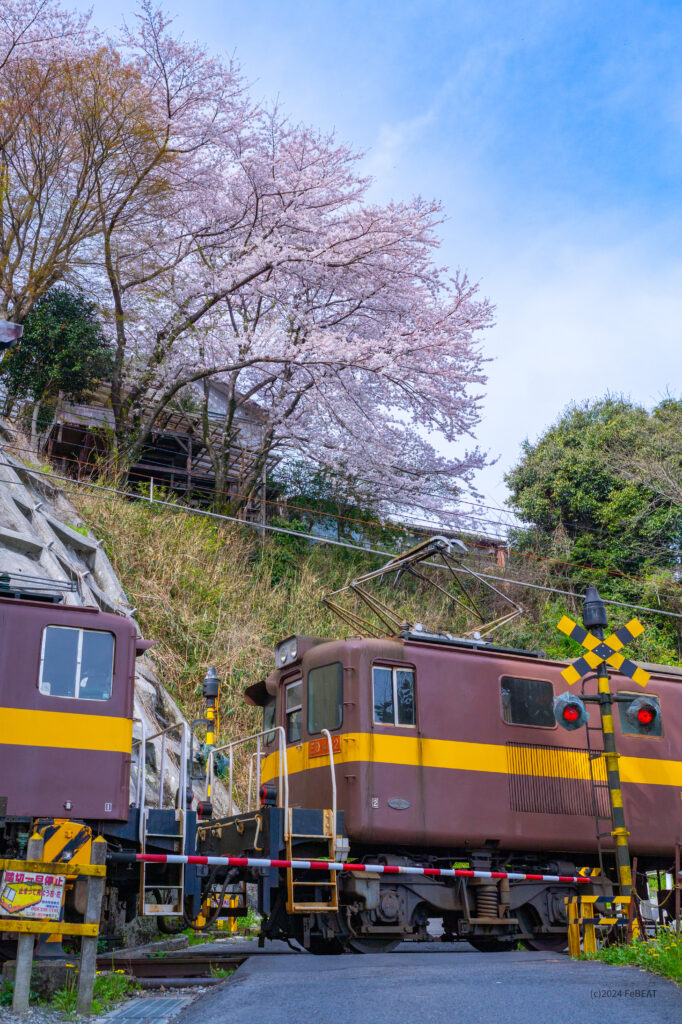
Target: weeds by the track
[[662, 955]]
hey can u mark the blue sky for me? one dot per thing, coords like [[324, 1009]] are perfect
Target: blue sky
[[551, 131]]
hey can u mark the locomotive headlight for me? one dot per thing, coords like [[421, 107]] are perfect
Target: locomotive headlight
[[286, 652]]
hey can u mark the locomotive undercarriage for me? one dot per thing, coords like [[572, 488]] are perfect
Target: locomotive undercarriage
[[372, 912]]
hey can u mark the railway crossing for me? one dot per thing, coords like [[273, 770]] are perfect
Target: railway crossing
[[600, 652]]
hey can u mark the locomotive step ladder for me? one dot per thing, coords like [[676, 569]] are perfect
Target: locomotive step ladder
[[302, 894], [162, 886], [173, 885]]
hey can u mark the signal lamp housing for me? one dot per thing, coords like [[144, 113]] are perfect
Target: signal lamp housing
[[644, 714], [570, 712], [268, 795], [211, 684]]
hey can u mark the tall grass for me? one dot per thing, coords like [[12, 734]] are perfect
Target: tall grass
[[215, 594]]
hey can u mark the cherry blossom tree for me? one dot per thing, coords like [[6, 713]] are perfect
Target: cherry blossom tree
[[224, 243]]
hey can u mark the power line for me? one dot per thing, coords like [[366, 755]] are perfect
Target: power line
[[395, 527], [336, 543], [170, 470]]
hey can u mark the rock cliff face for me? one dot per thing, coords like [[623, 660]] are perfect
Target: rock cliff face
[[42, 535]]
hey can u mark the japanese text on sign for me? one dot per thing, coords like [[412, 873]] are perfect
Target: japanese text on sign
[[31, 894]]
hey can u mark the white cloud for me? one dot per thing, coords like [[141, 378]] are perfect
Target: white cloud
[[577, 319]]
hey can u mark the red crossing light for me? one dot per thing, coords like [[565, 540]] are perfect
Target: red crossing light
[[645, 716], [570, 712]]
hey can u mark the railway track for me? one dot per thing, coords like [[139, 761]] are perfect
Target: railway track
[[173, 971]]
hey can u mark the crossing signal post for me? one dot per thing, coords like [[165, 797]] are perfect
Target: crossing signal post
[[642, 712]]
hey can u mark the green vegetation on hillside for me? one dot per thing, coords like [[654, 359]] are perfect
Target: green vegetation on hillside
[[593, 490], [601, 494], [218, 594], [63, 350]]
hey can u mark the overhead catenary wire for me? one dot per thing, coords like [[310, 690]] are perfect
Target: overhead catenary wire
[[222, 517]]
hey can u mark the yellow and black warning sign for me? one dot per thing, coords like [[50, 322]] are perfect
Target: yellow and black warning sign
[[599, 651]]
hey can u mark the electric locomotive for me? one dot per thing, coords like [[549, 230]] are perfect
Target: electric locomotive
[[67, 680], [427, 749]]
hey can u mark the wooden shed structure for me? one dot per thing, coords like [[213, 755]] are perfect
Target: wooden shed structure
[[174, 455]]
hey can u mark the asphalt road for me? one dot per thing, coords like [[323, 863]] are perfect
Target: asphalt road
[[443, 984]]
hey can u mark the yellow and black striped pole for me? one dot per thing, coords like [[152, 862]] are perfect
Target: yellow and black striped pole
[[596, 619]]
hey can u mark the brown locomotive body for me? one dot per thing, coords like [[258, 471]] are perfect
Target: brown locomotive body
[[445, 750], [67, 679], [477, 760], [66, 710]]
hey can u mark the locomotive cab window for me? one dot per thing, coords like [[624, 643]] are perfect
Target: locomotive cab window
[[76, 663], [325, 697], [294, 711], [528, 702], [269, 720], [393, 695]]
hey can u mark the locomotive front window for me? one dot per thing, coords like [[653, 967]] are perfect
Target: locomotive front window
[[528, 702], [294, 711], [76, 663], [393, 694], [325, 697]]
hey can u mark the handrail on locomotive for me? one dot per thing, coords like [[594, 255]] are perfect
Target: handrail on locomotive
[[141, 782], [283, 768], [283, 772]]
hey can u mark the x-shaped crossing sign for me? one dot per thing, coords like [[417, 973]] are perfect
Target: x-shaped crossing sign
[[603, 650]]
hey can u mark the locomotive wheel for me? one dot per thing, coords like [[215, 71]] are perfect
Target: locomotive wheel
[[326, 947], [490, 945], [546, 943], [372, 945]]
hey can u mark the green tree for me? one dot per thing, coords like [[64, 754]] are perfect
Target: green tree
[[587, 490], [63, 349]]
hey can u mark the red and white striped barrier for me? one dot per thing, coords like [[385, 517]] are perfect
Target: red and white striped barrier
[[325, 865]]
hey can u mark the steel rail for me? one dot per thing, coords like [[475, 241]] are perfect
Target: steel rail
[[171, 966]]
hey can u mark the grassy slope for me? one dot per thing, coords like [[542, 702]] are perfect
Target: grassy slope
[[214, 594]]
